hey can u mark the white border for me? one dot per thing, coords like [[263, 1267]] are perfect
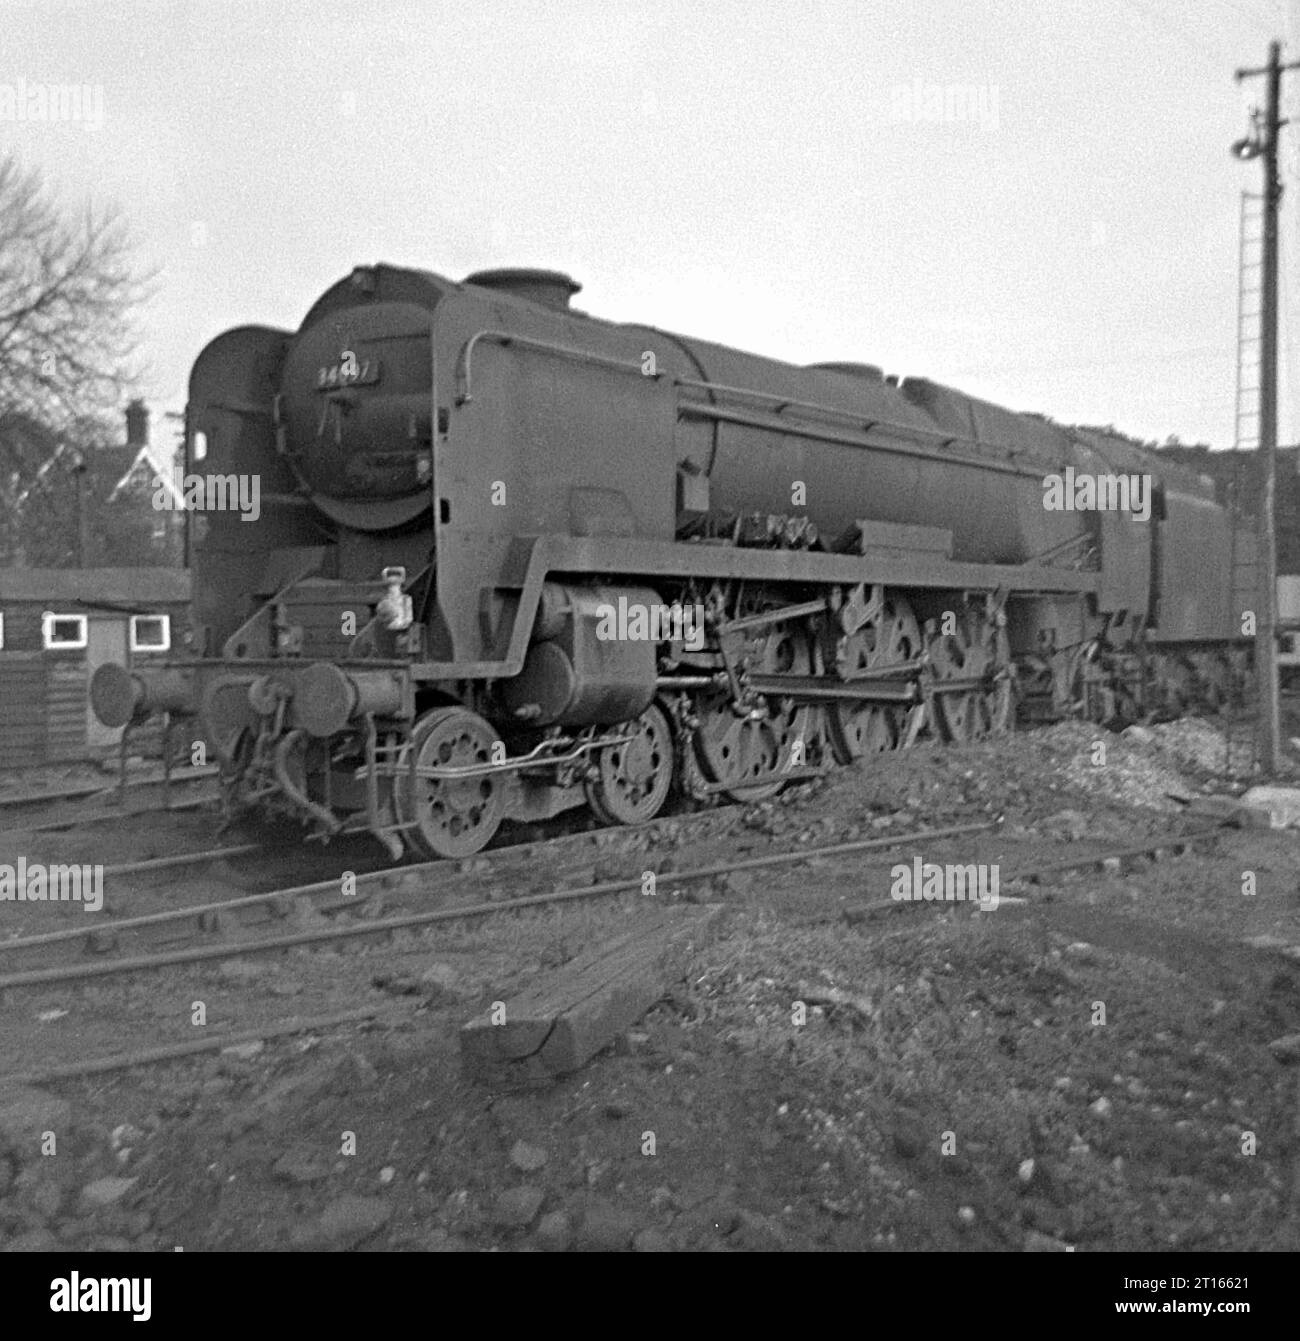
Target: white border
[[48, 618], [164, 646]]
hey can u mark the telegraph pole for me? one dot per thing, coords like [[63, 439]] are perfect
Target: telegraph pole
[[83, 519], [1266, 616]]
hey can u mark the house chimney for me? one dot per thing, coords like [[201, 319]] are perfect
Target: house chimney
[[137, 424]]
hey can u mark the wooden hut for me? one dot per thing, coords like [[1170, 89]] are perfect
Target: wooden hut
[[56, 626]]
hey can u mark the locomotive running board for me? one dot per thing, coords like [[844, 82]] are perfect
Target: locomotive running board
[[534, 560]]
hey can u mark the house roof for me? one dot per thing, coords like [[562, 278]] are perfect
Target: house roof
[[157, 471], [131, 588], [113, 466]]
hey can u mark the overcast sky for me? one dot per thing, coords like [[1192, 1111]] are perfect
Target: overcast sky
[[1057, 232]]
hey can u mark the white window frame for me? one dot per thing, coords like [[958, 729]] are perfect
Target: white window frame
[[48, 620], [164, 646], [2, 630]]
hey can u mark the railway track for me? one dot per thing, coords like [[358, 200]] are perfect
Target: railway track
[[172, 862], [720, 816], [97, 789], [323, 895], [563, 834], [59, 810], [281, 903], [214, 1042]]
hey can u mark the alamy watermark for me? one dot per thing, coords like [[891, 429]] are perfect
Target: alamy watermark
[[945, 104], [931, 883], [633, 621], [1077, 491], [34, 883], [180, 492], [44, 103], [74, 1293]]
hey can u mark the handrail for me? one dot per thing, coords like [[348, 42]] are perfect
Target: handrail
[[831, 433], [464, 370], [863, 425]]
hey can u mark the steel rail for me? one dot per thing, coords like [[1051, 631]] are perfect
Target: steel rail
[[292, 892], [166, 1052], [1026, 873], [76, 973], [94, 789]]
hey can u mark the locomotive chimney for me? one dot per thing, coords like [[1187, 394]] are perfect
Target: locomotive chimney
[[137, 424], [548, 288]]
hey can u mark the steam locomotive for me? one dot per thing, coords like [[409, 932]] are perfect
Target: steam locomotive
[[474, 499]]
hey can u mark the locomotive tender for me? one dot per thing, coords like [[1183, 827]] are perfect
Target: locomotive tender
[[459, 482]]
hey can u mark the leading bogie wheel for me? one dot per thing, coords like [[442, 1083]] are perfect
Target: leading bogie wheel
[[451, 817]]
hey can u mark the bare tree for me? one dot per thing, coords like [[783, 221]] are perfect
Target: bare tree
[[68, 287]]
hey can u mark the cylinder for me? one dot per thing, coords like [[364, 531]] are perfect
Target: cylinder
[[592, 660], [541, 693], [554, 609]]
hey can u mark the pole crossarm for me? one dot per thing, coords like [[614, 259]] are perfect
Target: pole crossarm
[[1263, 70]]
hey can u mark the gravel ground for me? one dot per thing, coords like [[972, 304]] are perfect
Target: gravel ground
[[1088, 1067]]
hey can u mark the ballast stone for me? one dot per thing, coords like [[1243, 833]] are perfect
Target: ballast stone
[[1286, 1049], [105, 1192], [344, 1223], [1280, 804], [517, 1207], [26, 1113]]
